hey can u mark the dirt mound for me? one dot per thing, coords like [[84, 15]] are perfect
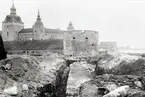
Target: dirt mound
[[121, 64], [112, 82], [40, 74], [106, 57], [136, 67], [20, 69], [113, 71]]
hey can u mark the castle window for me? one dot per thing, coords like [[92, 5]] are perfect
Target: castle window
[[7, 33], [74, 38], [86, 38], [92, 44]]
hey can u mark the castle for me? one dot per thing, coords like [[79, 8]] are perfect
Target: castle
[[75, 42], [13, 29]]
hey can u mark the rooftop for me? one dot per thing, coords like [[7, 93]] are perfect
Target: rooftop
[[27, 30]]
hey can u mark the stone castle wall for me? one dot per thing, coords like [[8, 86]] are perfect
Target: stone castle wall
[[25, 36], [81, 43], [108, 46], [10, 31], [38, 32], [51, 36]]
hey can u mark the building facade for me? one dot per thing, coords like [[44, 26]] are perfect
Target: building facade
[[12, 25], [75, 42], [109, 46], [13, 29], [80, 43]]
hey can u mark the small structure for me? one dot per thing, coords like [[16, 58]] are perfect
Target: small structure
[[70, 27], [108, 46], [78, 43]]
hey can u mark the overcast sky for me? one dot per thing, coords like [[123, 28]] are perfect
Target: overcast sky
[[116, 20]]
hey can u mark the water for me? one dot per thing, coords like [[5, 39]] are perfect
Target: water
[[142, 51]]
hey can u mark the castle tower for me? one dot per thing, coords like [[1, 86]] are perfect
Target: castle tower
[[12, 25], [70, 27], [38, 28]]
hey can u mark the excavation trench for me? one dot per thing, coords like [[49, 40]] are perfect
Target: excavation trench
[[45, 76], [68, 79], [76, 79], [59, 86]]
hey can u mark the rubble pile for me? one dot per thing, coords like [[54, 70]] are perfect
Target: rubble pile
[[121, 64], [123, 76], [131, 68], [107, 84], [50, 75], [110, 61], [30, 76]]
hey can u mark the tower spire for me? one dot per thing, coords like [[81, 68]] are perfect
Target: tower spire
[[13, 9], [38, 16], [13, 3], [70, 23], [38, 12]]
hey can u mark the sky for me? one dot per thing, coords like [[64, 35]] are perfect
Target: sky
[[122, 21]]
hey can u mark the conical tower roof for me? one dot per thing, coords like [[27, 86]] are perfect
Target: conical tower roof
[[70, 26], [38, 20]]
